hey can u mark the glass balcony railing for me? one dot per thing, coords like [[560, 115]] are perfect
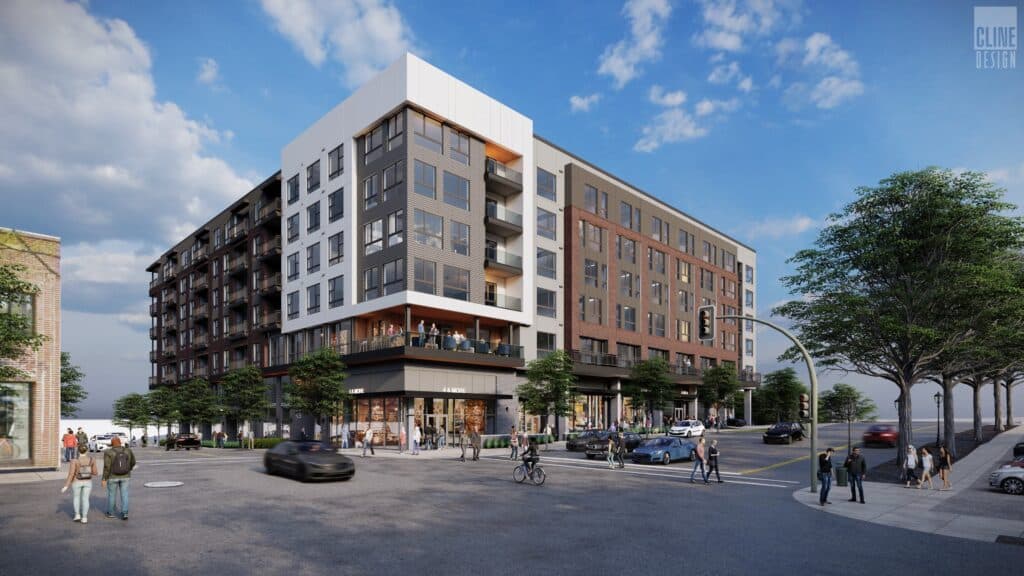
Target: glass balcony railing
[[503, 301], [499, 169], [499, 212], [499, 256]]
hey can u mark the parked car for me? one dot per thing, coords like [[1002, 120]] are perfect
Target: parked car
[[886, 434], [1009, 479], [687, 428], [578, 443], [188, 441], [1018, 450], [598, 445], [784, 433], [308, 460], [101, 442], [664, 449], [1017, 462], [735, 422]]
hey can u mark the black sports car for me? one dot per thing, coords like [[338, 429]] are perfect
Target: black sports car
[[784, 432], [308, 460], [598, 445], [186, 441], [578, 443]]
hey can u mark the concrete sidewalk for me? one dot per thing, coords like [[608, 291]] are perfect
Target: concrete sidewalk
[[914, 509], [449, 452]]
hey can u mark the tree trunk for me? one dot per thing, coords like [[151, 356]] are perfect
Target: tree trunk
[[905, 424], [1009, 404], [998, 405], [977, 410], [948, 419]]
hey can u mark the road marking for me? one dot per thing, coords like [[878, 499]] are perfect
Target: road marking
[[600, 464], [680, 477]]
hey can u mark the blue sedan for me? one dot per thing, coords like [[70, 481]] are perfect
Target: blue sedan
[[665, 449]]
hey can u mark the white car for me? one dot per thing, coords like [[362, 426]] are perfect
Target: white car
[[1009, 479], [687, 428], [101, 442]]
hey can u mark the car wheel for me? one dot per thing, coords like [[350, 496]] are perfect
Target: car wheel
[[666, 459], [270, 467], [1013, 486], [303, 474]]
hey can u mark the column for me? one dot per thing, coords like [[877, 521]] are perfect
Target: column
[[748, 405], [408, 323], [617, 407], [476, 328]]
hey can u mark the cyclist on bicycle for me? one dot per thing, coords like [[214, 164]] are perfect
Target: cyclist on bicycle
[[529, 456]]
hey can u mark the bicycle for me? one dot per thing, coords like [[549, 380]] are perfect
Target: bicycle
[[536, 475]]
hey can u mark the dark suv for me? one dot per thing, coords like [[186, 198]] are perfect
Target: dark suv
[[186, 441], [784, 433], [578, 443], [598, 445]]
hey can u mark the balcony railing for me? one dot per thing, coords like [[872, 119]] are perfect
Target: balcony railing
[[236, 264], [502, 180], [271, 320], [155, 281], [269, 212], [200, 255], [169, 379], [153, 355], [269, 248], [499, 256], [170, 298], [169, 352], [503, 301], [616, 361], [270, 284], [441, 348], [153, 381], [237, 364], [238, 331], [499, 169], [201, 372], [153, 332], [499, 212], [200, 341], [237, 297], [238, 232], [169, 273], [169, 318], [201, 283], [154, 309], [200, 311]]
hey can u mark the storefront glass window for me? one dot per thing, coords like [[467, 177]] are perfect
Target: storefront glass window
[[15, 434]]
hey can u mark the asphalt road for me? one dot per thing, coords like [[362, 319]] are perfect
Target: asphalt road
[[434, 516]]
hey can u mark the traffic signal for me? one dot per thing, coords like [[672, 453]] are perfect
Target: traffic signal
[[805, 407], [706, 323]]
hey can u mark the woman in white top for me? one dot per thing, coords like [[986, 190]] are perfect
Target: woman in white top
[[80, 477], [910, 465], [926, 469]]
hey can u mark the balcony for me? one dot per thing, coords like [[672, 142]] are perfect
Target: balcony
[[201, 372], [270, 321], [502, 180], [200, 255], [201, 283], [503, 301], [153, 355], [153, 333], [238, 232], [270, 214], [445, 349], [170, 298], [169, 379], [154, 381], [269, 248], [201, 311], [237, 297], [503, 264], [236, 332], [236, 265], [270, 285], [155, 281], [170, 327], [200, 341], [502, 221], [170, 352], [237, 364], [169, 273], [154, 309]]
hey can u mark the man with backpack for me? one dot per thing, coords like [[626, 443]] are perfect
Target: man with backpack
[[118, 462]]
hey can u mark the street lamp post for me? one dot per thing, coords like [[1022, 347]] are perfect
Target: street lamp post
[[938, 402]]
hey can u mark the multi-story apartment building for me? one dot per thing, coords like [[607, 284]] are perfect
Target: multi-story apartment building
[[30, 402], [433, 240]]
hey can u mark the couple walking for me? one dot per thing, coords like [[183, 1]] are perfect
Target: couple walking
[[855, 465], [118, 462], [710, 457]]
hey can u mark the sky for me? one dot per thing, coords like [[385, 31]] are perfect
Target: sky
[[124, 125]]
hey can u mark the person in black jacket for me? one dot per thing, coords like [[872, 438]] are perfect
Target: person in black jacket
[[858, 470], [713, 462], [825, 475]]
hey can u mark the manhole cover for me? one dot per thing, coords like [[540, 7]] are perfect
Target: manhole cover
[[163, 484]]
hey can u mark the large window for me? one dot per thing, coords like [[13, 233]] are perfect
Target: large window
[[546, 263], [456, 191], [424, 276], [293, 267], [425, 177], [590, 272], [373, 144], [336, 248], [394, 276], [458, 146], [748, 274], [685, 301], [456, 283], [313, 217], [546, 303], [371, 191], [659, 229], [625, 249], [15, 422], [657, 293], [427, 131], [594, 201], [313, 177], [396, 228], [707, 280], [686, 241], [293, 191], [682, 271], [293, 305], [336, 205], [335, 162], [709, 253], [728, 261], [625, 317], [396, 126], [313, 258], [24, 307], [591, 237], [547, 224], [393, 176], [428, 229], [629, 216], [336, 292], [545, 184], [656, 324], [656, 260], [373, 236], [683, 330], [460, 237], [371, 283], [546, 344], [293, 227], [313, 299]]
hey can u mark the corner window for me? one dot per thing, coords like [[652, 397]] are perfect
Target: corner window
[[396, 228], [373, 144], [425, 179], [424, 276], [456, 283], [371, 192], [293, 191], [427, 131], [371, 283], [456, 191], [393, 176], [458, 146], [394, 276]]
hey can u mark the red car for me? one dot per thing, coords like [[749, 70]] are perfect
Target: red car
[[882, 434]]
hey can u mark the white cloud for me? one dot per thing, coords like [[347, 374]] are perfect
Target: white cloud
[[724, 73], [623, 59], [209, 71], [833, 91], [583, 103], [775, 228], [821, 50], [673, 125], [746, 84], [658, 96], [785, 49], [107, 262], [775, 81], [832, 71], [728, 23], [708, 107], [363, 36]]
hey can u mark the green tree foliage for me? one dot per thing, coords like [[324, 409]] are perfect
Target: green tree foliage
[[17, 337], [197, 402], [844, 403], [132, 410], [719, 385], [550, 385], [71, 390], [884, 291], [245, 394], [777, 400], [164, 406], [317, 384], [650, 386]]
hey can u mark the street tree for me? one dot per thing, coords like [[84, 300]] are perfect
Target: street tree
[[72, 393], [164, 407], [317, 385], [720, 384], [777, 399], [244, 395], [844, 403], [550, 386], [132, 410], [649, 386], [17, 334], [197, 402], [873, 296]]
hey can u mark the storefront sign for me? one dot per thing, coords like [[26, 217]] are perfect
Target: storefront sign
[[356, 391], [453, 390]]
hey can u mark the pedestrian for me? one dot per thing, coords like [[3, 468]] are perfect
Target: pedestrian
[[442, 438], [698, 461], [401, 438], [945, 467], [251, 436], [70, 443], [118, 463], [82, 437], [927, 465], [825, 475], [344, 436], [858, 469], [477, 440], [612, 427], [611, 450], [514, 443], [620, 449], [422, 339], [910, 465], [417, 435], [547, 436], [462, 443], [434, 332], [713, 454], [367, 442], [80, 474], [302, 435]]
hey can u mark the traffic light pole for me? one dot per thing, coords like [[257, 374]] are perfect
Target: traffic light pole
[[814, 390]]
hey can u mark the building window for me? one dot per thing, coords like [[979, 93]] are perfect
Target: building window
[[629, 216], [546, 303], [728, 287], [656, 324], [396, 228], [456, 191], [590, 272], [625, 317], [546, 263], [656, 260], [456, 283], [748, 299], [293, 305], [335, 162], [427, 131], [591, 237], [626, 283], [15, 421], [373, 144], [749, 347], [628, 352], [313, 217], [685, 301], [682, 271], [458, 146], [425, 179], [396, 126], [371, 283], [625, 249], [313, 258], [428, 229], [393, 176], [545, 344], [683, 330], [313, 299], [371, 192], [313, 177], [293, 267], [373, 236], [24, 307], [594, 310], [728, 261], [293, 227], [293, 192], [659, 229], [460, 238], [394, 276], [657, 293], [336, 291], [707, 280], [336, 204], [547, 224], [686, 241], [545, 184], [336, 248], [709, 254], [748, 273], [592, 346], [424, 276], [594, 201]]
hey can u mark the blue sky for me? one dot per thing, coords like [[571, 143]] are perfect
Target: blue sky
[[757, 117]]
